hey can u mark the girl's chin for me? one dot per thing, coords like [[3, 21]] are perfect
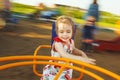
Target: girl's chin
[[65, 40]]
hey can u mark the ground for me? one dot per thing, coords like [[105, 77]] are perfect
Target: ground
[[26, 36]]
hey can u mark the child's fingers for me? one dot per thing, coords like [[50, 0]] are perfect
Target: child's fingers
[[93, 63], [92, 59]]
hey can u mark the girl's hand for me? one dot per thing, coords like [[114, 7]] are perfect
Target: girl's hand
[[88, 60]]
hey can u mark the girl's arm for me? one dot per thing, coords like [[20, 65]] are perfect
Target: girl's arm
[[59, 48], [77, 51]]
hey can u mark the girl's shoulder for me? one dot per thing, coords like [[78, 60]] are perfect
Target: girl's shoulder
[[72, 42]]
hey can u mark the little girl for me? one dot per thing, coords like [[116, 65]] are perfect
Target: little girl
[[63, 47]]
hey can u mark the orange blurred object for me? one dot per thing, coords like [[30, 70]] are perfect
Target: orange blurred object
[[118, 27], [42, 60]]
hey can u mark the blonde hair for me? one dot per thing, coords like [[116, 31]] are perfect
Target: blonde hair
[[65, 20]]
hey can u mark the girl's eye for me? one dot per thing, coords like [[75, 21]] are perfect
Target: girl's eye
[[68, 31], [61, 31]]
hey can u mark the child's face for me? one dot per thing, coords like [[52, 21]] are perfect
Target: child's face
[[90, 21], [64, 32]]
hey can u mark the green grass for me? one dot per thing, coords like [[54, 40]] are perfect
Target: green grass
[[22, 9], [26, 9], [100, 24]]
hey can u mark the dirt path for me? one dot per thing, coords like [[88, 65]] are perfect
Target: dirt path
[[25, 38]]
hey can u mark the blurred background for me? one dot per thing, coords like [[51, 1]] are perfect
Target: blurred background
[[109, 12], [26, 24]]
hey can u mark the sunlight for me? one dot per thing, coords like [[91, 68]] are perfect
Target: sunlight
[[31, 35], [35, 35], [44, 27], [117, 27]]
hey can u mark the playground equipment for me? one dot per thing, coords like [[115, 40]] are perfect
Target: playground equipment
[[111, 45], [41, 60]]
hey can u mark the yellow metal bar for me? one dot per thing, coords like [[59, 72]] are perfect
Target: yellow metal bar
[[80, 76], [58, 74], [39, 47], [100, 69], [109, 73], [51, 63], [34, 65], [35, 54]]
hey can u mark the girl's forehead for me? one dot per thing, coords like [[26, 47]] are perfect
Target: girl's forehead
[[64, 26]]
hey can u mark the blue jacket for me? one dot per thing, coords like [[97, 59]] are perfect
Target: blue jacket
[[88, 32], [93, 11]]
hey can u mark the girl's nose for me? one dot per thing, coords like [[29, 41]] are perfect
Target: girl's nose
[[65, 33]]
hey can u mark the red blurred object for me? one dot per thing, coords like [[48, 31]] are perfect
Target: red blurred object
[[112, 45]]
